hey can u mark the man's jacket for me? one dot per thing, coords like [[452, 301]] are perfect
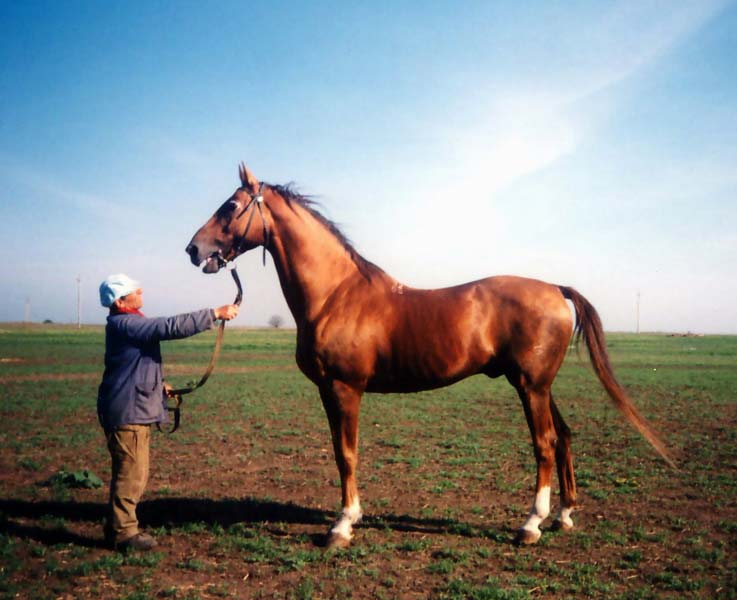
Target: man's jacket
[[131, 392]]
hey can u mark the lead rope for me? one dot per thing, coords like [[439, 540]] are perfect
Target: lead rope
[[176, 395]]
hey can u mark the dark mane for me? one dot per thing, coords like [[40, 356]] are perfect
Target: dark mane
[[365, 267]]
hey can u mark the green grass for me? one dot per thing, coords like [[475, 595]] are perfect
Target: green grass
[[242, 495]]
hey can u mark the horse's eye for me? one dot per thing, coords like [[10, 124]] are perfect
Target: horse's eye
[[229, 208]]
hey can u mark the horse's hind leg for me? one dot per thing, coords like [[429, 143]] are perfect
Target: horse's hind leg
[[537, 405], [341, 404], [566, 477]]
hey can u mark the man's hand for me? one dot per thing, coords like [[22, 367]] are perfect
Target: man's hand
[[167, 390], [227, 312]]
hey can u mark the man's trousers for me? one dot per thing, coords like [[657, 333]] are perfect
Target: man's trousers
[[128, 446]]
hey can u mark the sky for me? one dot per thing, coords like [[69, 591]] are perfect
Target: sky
[[590, 144]]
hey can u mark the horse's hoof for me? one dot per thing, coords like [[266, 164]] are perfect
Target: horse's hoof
[[337, 541], [559, 525], [525, 537]]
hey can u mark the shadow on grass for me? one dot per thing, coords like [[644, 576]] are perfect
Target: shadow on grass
[[49, 537], [179, 512], [407, 523]]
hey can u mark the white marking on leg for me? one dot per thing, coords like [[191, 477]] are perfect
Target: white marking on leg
[[348, 518], [343, 528], [565, 517], [539, 511]]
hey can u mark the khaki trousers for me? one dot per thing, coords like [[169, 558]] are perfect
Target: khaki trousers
[[128, 446]]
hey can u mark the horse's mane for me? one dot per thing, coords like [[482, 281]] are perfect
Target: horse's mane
[[290, 195]]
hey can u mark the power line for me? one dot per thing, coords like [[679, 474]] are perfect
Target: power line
[[638, 311], [79, 302]]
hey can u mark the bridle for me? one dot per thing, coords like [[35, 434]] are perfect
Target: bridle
[[176, 395], [238, 246]]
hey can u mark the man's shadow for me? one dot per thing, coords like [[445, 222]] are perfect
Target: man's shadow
[[178, 512]]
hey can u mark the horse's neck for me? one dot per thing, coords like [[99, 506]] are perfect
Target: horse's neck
[[310, 261]]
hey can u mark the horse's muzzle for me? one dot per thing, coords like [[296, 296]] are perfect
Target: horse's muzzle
[[212, 262]]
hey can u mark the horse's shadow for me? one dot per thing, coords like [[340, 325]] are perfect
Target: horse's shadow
[[180, 512]]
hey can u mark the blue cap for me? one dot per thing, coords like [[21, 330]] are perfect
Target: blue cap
[[116, 286]]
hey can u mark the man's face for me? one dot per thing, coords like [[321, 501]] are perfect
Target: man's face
[[133, 301]]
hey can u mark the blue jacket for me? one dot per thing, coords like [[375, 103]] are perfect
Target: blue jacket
[[131, 392]]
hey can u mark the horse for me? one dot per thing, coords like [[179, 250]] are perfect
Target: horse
[[360, 330]]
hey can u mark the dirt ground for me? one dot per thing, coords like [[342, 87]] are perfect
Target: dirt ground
[[240, 506]]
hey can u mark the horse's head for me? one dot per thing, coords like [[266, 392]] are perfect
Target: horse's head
[[228, 233]]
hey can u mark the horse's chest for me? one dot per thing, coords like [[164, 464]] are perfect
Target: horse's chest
[[309, 361], [338, 357]]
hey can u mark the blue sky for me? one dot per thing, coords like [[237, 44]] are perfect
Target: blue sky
[[591, 144]]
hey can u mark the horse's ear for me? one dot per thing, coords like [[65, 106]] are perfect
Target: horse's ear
[[248, 181]]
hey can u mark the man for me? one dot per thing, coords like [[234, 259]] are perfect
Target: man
[[131, 396]]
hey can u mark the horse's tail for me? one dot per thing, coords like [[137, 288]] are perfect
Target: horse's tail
[[588, 327]]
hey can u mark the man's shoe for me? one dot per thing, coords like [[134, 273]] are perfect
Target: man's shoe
[[140, 541]]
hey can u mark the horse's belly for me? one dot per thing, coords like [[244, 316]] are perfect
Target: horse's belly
[[422, 373], [406, 385]]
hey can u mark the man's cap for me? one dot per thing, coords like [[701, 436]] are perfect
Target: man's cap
[[116, 286]]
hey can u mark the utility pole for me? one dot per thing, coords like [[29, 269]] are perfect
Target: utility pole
[[79, 303], [638, 311], [28, 311]]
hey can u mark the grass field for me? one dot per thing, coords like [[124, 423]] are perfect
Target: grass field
[[241, 497]]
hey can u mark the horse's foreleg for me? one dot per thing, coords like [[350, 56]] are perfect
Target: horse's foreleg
[[566, 477], [341, 404], [540, 420]]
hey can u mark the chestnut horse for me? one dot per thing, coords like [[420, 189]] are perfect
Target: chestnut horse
[[360, 330]]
